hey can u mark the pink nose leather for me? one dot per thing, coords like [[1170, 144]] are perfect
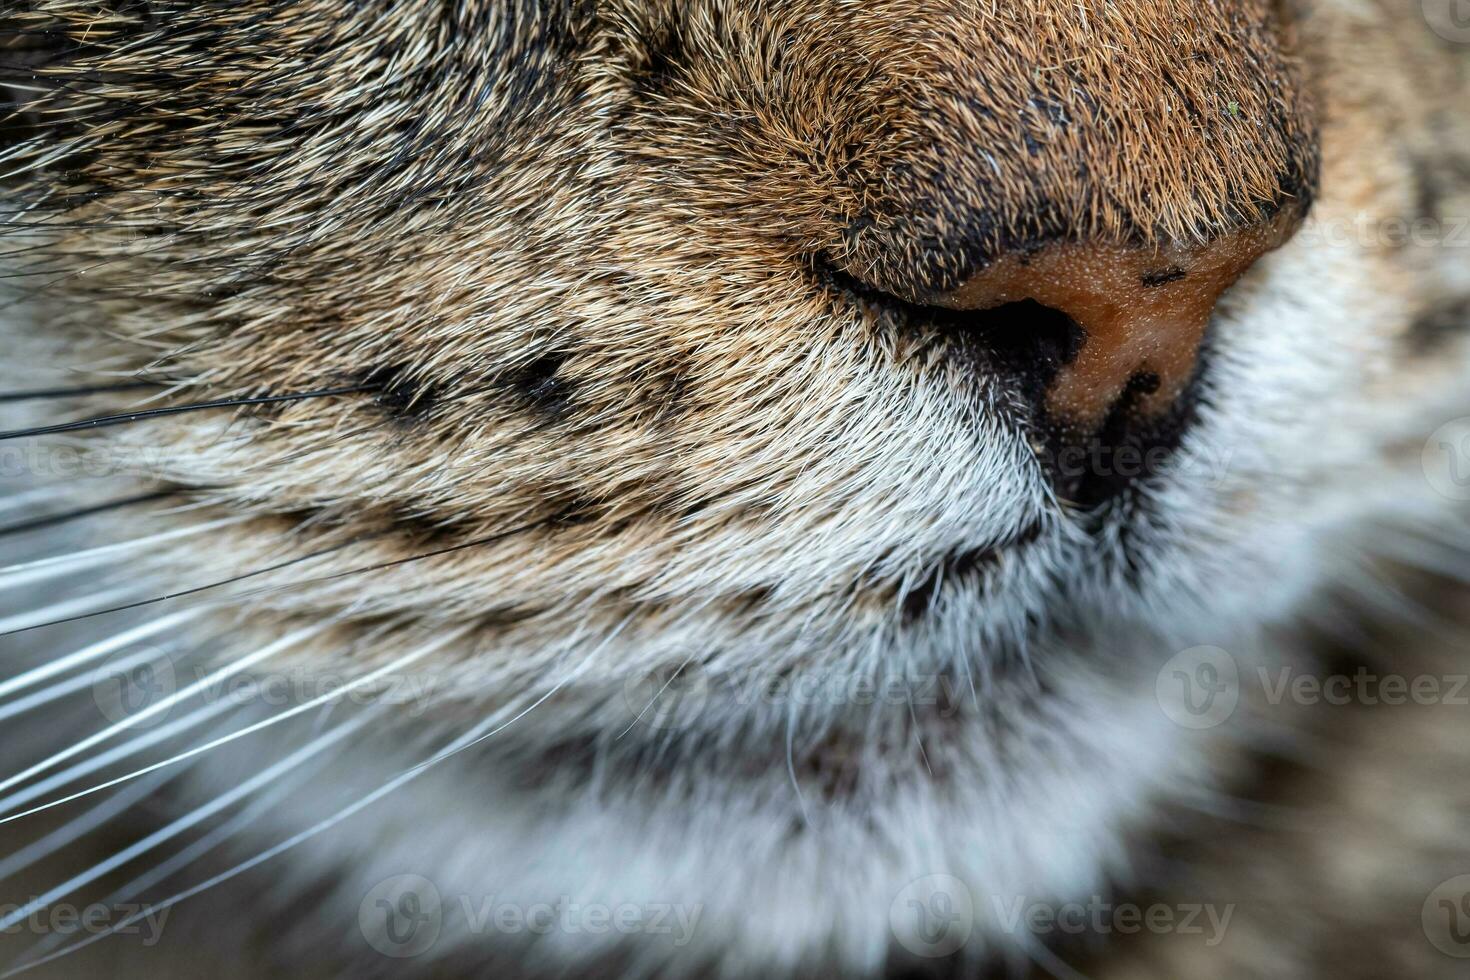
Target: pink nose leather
[[1144, 311]]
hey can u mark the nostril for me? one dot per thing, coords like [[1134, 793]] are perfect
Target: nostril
[[1026, 342], [1024, 345], [1022, 348]]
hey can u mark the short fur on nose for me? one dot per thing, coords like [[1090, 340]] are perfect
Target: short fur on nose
[[1143, 312]]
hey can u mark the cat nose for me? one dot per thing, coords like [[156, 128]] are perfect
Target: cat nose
[[1140, 314]]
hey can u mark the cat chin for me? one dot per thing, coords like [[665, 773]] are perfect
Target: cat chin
[[787, 859]]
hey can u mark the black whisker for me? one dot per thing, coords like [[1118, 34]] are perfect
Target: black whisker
[[152, 413], [185, 592], [451, 549], [52, 520], [50, 393], [477, 543]]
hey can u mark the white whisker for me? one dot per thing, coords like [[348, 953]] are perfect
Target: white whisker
[[42, 569], [484, 730], [94, 652], [130, 748], [99, 816], [72, 685], [163, 704], [331, 696], [191, 819], [24, 500], [248, 815], [208, 842]]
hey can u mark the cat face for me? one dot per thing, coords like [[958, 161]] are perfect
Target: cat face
[[752, 333], [564, 345]]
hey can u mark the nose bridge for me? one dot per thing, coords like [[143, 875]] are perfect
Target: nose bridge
[[1126, 121], [1143, 313]]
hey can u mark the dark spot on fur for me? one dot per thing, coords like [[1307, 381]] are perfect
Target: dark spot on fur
[[570, 508], [1144, 383], [427, 531], [1437, 178], [541, 389], [399, 394], [1162, 277], [1052, 110], [667, 384], [1438, 326], [663, 58]]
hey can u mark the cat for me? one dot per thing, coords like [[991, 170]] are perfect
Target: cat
[[735, 487]]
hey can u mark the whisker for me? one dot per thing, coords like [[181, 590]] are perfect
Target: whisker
[[24, 500], [44, 571], [73, 830], [184, 823], [72, 685], [198, 750], [182, 593], [806, 817], [132, 747], [581, 667], [486, 729], [21, 622], [104, 421], [203, 684], [47, 394], [93, 652], [43, 568], [656, 695], [55, 520], [248, 815]]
